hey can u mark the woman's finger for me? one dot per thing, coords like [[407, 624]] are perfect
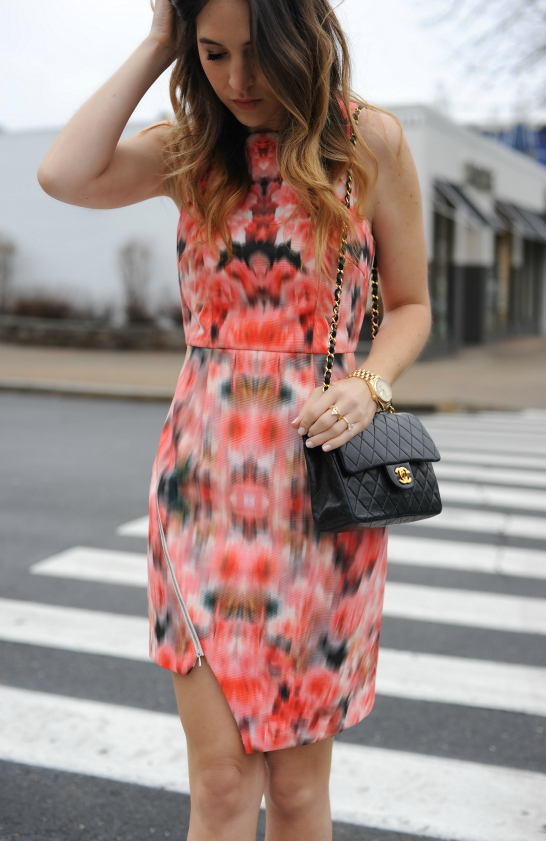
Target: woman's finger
[[343, 437], [332, 432], [328, 441], [307, 413], [313, 408], [326, 422]]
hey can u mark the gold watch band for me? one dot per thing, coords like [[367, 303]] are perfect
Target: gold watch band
[[364, 375], [371, 379]]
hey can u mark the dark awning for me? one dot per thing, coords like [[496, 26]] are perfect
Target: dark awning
[[458, 198], [526, 223]]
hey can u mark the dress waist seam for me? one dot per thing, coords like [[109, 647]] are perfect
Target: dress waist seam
[[270, 350]]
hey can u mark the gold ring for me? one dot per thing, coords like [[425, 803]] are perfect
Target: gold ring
[[335, 411]]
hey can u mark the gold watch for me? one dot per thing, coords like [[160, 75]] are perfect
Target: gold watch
[[380, 389]]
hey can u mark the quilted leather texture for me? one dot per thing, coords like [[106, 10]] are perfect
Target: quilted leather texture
[[343, 500], [389, 439]]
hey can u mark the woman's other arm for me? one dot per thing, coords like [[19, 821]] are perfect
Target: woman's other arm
[[401, 251], [87, 164]]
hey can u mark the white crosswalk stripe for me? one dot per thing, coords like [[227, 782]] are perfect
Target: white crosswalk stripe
[[489, 495], [476, 460], [135, 528], [87, 564], [464, 555], [459, 680], [459, 424], [489, 461], [74, 629], [491, 476], [491, 442], [465, 607], [434, 796], [510, 432], [516, 422], [451, 518], [444, 679], [519, 435], [129, 568], [408, 601], [488, 522]]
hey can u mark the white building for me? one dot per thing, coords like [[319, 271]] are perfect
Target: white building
[[484, 207], [73, 252]]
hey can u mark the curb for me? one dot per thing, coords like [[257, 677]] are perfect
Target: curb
[[48, 332], [160, 395], [96, 390]]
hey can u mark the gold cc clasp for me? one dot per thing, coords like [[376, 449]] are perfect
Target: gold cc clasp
[[404, 475]]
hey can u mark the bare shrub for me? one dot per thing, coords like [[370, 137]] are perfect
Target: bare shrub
[[7, 252], [134, 262], [172, 311], [42, 305]]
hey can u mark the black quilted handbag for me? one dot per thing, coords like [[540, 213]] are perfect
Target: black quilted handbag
[[384, 474]]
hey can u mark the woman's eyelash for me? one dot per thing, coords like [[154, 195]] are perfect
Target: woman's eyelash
[[213, 56]]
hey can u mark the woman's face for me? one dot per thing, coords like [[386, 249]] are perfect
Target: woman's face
[[223, 40]]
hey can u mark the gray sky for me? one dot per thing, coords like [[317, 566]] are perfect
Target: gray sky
[[54, 54]]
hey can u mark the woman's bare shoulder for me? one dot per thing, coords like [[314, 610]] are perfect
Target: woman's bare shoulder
[[382, 134]]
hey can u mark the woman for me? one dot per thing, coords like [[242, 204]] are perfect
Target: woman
[[283, 621]]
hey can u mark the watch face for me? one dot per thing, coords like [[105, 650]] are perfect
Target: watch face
[[384, 391]]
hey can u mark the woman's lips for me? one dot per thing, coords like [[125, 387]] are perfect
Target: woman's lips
[[246, 104]]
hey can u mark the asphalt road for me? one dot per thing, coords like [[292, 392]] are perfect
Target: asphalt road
[[74, 470]]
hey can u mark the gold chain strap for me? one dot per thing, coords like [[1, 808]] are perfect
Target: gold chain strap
[[328, 367], [375, 299]]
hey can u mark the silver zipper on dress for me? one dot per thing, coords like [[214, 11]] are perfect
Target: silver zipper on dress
[[189, 624]]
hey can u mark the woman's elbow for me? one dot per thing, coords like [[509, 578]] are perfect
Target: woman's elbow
[[47, 181]]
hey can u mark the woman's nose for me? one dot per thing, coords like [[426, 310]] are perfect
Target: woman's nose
[[242, 75]]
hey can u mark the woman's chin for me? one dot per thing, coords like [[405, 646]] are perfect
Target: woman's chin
[[256, 119]]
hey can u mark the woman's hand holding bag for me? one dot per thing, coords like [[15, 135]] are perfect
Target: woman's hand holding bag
[[322, 427]]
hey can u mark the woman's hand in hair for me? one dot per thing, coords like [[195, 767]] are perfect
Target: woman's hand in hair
[[166, 26], [353, 399]]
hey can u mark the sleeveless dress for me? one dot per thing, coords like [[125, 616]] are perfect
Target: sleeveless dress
[[288, 618]]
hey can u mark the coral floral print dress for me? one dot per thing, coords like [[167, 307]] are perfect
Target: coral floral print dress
[[288, 618]]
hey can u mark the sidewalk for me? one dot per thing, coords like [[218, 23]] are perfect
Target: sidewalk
[[505, 375]]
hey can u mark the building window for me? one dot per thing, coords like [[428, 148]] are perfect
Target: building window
[[440, 279], [499, 289], [526, 290]]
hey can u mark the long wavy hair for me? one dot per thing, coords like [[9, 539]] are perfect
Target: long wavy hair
[[303, 54]]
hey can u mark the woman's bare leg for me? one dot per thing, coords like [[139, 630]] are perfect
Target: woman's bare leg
[[297, 793], [226, 783]]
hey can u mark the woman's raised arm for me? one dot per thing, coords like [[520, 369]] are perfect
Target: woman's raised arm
[[87, 164]]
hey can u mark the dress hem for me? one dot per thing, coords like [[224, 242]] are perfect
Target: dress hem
[[368, 709]]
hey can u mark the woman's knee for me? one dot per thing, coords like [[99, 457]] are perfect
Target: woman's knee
[[294, 797], [222, 789]]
